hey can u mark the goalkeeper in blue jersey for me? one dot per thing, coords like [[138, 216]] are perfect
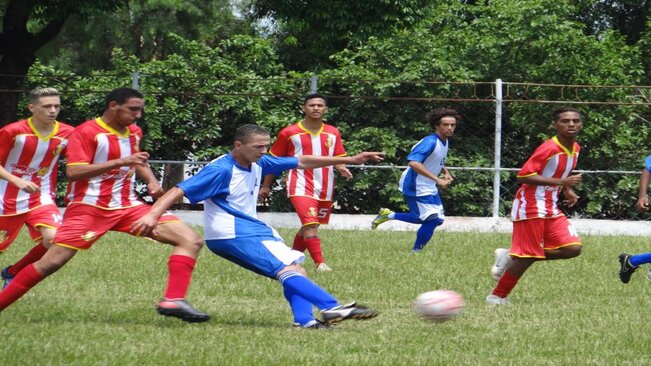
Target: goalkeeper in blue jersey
[[229, 187], [628, 263], [426, 173]]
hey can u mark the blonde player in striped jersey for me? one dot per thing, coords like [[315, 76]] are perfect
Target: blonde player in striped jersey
[[540, 229], [29, 160], [310, 190]]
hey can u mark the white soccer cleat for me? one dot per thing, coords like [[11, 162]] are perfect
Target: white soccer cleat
[[322, 267], [502, 262], [496, 300]]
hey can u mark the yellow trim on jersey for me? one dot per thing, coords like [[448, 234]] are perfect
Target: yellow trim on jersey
[[73, 164], [70, 247], [555, 139], [300, 125], [526, 175], [38, 134], [111, 129]]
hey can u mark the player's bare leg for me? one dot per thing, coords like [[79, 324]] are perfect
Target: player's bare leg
[[55, 258], [187, 245], [34, 254]]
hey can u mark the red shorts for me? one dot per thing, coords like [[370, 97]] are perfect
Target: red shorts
[[311, 211], [84, 224], [532, 237], [47, 216]]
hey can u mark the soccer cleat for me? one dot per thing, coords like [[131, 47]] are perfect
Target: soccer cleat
[[314, 324], [181, 309], [382, 217], [626, 269], [496, 300], [502, 262], [348, 311], [322, 267], [6, 277]]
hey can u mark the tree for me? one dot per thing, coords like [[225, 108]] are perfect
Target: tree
[[308, 32], [28, 25], [143, 28]]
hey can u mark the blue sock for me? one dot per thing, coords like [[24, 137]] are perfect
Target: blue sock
[[638, 259], [407, 217], [294, 284], [301, 308], [425, 233]]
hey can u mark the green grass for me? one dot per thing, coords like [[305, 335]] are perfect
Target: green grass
[[99, 309]]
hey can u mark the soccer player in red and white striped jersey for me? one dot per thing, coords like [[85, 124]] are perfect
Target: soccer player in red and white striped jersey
[[540, 229], [103, 158], [29, 161], [310, 190]]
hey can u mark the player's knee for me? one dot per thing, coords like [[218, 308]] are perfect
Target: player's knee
[[435, 219]]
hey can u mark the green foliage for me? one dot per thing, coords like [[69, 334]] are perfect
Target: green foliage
[[308, 32], [144, 28]]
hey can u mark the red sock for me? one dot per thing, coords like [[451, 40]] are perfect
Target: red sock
[[180, 273], [34, 254], [506, 283], [313, 245], [24, 280], [298, 244]]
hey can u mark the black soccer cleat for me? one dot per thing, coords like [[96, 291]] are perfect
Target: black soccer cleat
[[626, 269], [181, 309], [348, 311]]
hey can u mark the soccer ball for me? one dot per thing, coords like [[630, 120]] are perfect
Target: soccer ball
[[439, 305]]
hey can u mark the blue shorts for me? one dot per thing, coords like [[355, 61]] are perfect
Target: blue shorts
[[425, 206], [263, 255]]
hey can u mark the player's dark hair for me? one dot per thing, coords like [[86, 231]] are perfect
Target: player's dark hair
[[557, 112], [243, 133], [314, 96], [36, 94], [121, 96], [434, 117]]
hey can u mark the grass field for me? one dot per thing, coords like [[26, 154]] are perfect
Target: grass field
[[99, 309]]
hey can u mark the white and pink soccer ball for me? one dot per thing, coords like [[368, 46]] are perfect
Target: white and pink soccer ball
[[439, 305]]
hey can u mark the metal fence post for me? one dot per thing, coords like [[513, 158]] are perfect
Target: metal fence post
[[498, 148], [135, 80], [314, 84]]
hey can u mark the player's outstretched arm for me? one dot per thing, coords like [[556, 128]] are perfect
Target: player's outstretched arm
[[642, 197], [83, 171], [311, 162], [146, 224]]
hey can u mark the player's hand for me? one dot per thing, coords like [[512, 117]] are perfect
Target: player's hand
[[155, 189], [571, 198], [345, 173], [264, 193], [27, 186], [140, 158], [365, 156], [642, 204], [572, 180], [145, 225], [444, 183]]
